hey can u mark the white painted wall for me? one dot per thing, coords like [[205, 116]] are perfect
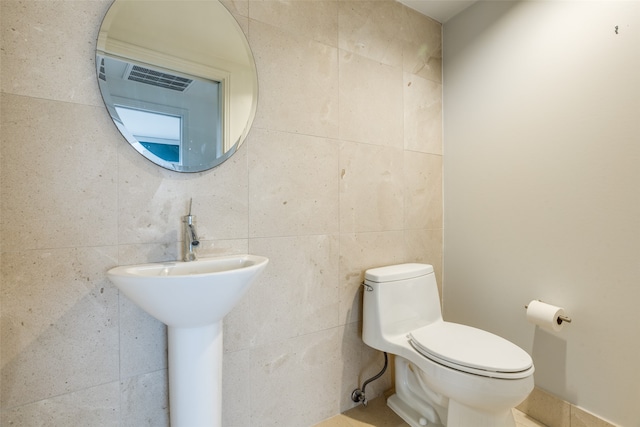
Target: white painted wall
[[542, 188]]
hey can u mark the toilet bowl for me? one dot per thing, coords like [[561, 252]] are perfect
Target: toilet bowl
[[446, 374]]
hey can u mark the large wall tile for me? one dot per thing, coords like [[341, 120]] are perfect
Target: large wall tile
[[422, 49], [95, 406], [236, 389], [425, 246], [392, 34], [371, 182], [149, 252], [38, 50], [359, 252], [213, 248], [293, 182], [221, 199], [297, 293], [350, 363], [298, 81], [58, 175], [372, 29], [317, 20], [145, 400], [422, 114], [298, 370], [422, 190], [153, 200], [59, 323], [370, 101], [143, 340]]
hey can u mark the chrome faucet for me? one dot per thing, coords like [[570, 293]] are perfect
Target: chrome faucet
[[190, 238]]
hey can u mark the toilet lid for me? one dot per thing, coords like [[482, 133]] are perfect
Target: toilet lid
[[471, 350]]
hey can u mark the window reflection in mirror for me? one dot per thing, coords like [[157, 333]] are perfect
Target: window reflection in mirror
[[172, 118], [159, 133]]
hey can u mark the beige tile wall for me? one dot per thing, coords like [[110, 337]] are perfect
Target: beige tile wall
[[341, 172]]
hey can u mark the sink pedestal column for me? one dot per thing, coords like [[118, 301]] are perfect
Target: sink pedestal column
[[195, 376]]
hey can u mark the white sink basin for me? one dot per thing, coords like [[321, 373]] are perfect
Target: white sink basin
[[191, 298], [189, 294]]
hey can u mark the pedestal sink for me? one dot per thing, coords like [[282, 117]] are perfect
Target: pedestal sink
[[191, 298]]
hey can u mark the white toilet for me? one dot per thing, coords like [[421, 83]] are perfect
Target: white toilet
[[446, 374]]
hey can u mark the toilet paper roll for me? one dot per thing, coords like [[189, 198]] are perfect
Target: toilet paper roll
[[545, 315]]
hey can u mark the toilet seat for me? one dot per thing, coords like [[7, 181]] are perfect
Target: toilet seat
[[471, 350]]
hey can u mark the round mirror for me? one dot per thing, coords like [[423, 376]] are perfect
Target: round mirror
[[178, 79]]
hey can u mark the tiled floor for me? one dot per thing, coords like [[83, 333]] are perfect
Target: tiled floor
[[378, 414]]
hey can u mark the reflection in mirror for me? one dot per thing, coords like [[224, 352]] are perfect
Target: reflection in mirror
[[178, 80]]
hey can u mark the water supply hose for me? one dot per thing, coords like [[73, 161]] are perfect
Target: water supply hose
[[358, 395]]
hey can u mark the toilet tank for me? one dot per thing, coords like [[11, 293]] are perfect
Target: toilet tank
[[398, 299]]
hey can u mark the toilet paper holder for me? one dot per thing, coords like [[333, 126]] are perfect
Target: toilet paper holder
[[561, 318]]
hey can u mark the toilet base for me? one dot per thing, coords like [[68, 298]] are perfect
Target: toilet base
[[464, 416], [408, 414], [459, 416], [419, 404]]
